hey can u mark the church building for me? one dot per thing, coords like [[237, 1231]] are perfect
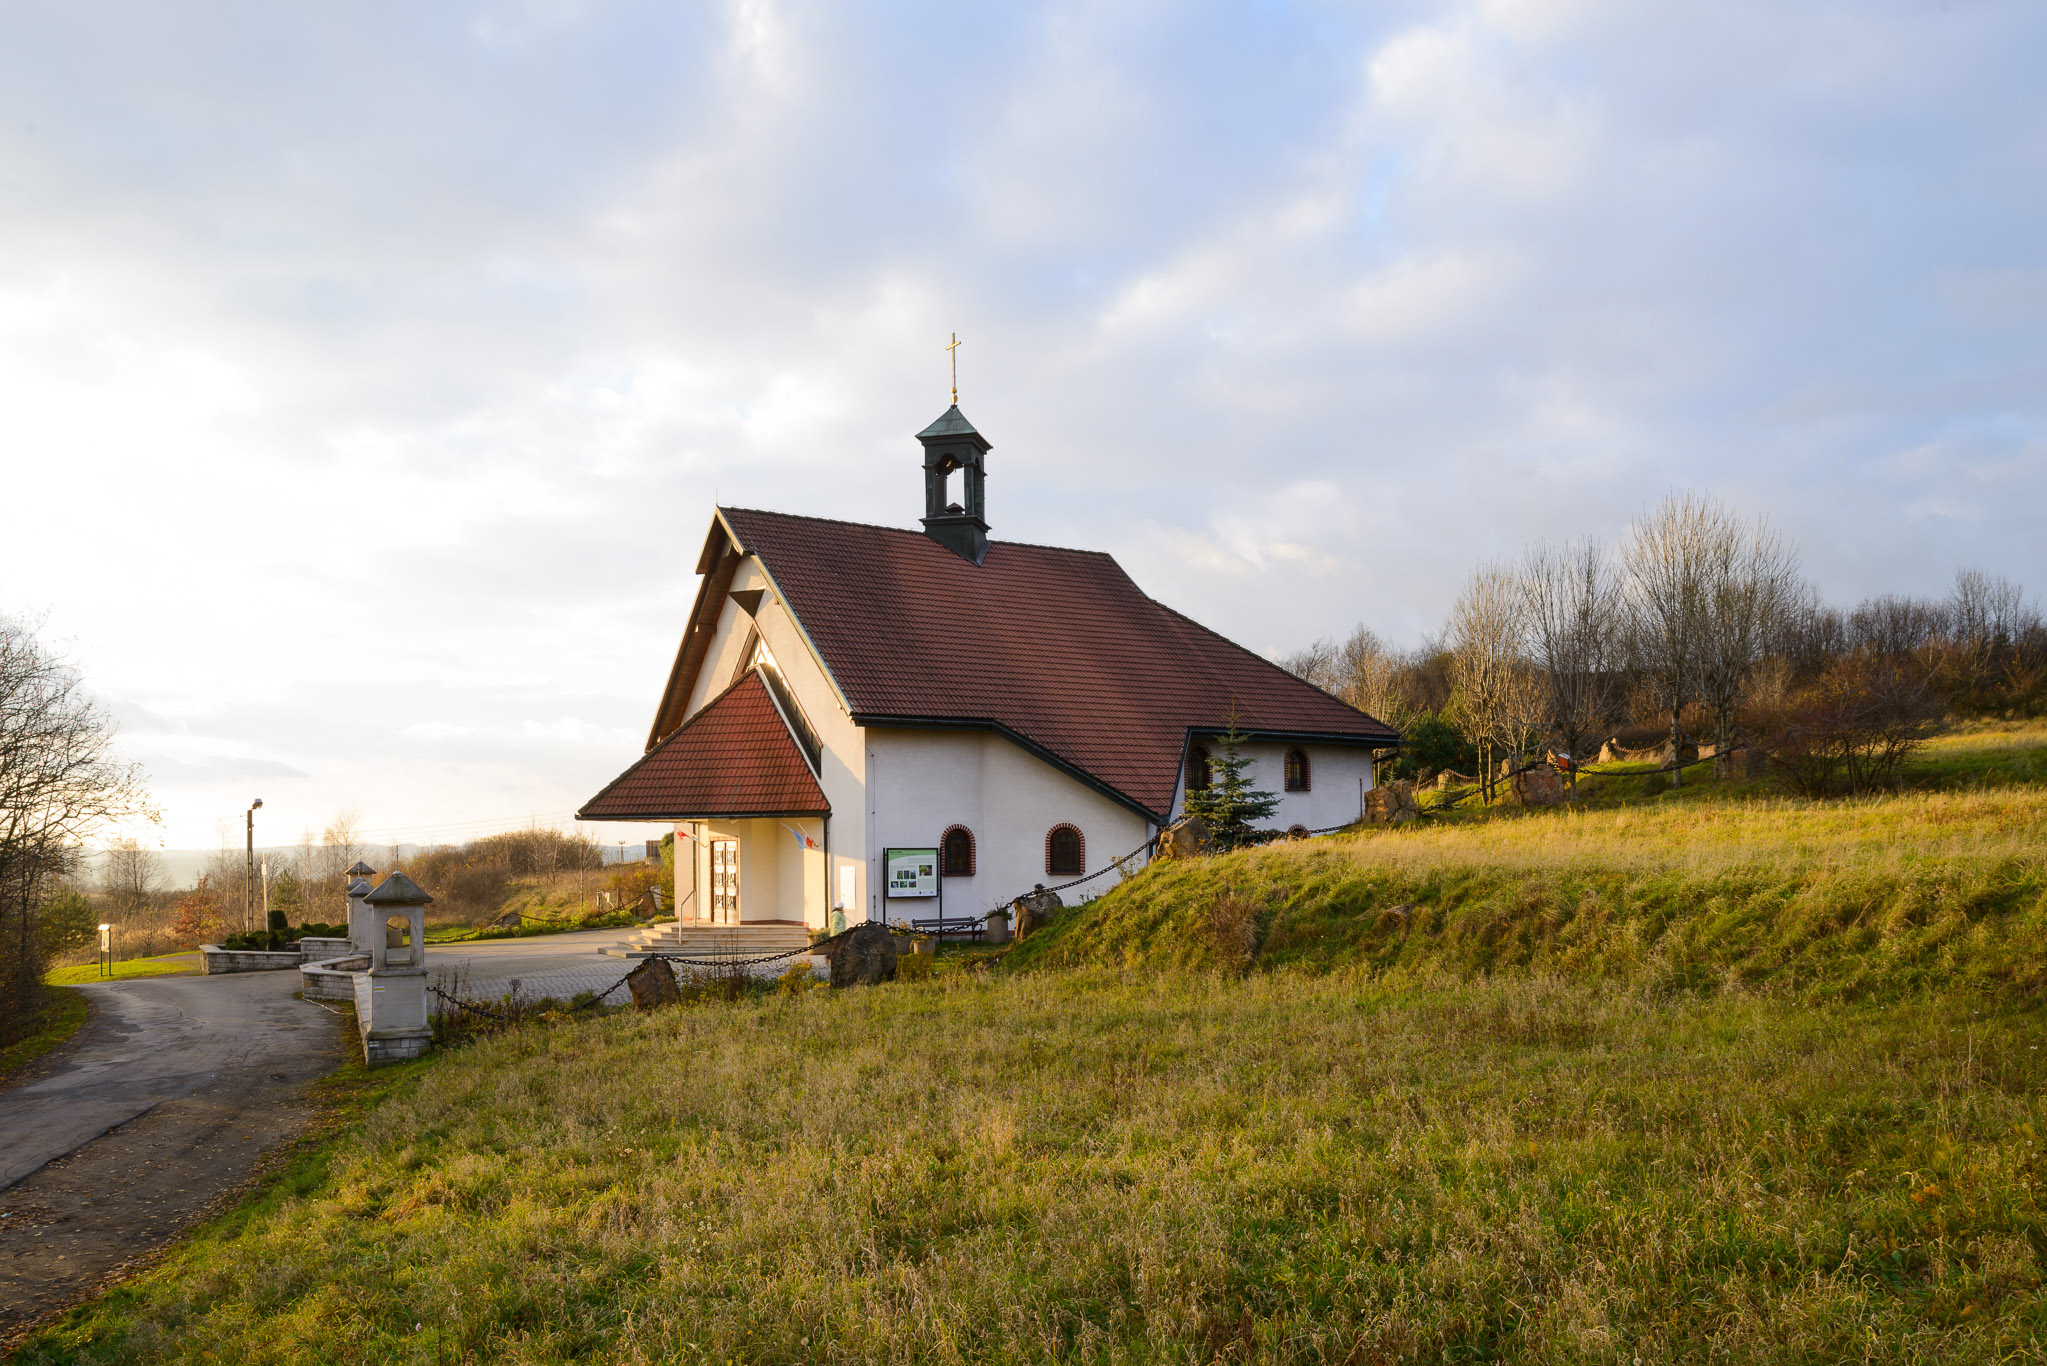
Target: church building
[[873, 723]]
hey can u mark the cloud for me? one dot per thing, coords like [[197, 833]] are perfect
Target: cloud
[[378, 369]]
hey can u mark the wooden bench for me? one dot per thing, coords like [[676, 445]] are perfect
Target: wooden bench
[[958, 927]]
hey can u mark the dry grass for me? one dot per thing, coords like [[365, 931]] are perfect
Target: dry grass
[[1925, 890], [1721, 1077], [1088, 1167]]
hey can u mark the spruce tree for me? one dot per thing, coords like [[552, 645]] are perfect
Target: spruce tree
[[1229, 804]]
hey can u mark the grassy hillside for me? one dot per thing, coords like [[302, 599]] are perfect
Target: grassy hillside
[[1706, 888], [1164, 1168], [1440, 1103]]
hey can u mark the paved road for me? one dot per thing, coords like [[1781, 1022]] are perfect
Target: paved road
[[160, 1108], [154, 1039], [558, 965], [170, 1099]]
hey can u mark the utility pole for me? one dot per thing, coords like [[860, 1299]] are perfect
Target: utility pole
[[249, 871]]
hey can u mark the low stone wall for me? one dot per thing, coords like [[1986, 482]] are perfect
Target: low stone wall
[[214, 959], [318, 950], [332, 979]]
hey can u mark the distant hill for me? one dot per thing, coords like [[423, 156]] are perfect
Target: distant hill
[[181, 867]]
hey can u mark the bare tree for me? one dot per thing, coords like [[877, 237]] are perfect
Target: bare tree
[[1751, 583], [338, 850], [1987, 615], [129, 876], [59, 785], [1486, 635], [1315, 664], [1668, 585], [1368, 673], [1895, 628], [1577, 640]]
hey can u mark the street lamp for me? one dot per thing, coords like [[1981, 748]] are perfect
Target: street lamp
[[249, 873]]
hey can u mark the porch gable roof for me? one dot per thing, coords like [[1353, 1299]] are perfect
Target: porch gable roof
[[735, 758]]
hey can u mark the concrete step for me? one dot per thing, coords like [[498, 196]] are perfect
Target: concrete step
[[712, 941]]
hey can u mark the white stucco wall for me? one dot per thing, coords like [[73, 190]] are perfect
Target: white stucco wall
[[906, 788], [843, 751], [923, 782], [1332, 798]]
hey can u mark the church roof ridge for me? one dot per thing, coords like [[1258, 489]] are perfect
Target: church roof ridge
[[1059, 648], [906, 531]]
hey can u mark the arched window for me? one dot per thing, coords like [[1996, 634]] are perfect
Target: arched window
[[1199, 773], [1065, 852], [1297, 770], [956, 852]]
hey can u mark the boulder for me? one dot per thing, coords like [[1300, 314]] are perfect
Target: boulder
[[1536, 787], [652, 984], [1743, 761], [1187, 837], [1033, 912], [863, 956], [1391, 803]]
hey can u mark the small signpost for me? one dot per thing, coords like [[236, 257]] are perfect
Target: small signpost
[[106, 953]]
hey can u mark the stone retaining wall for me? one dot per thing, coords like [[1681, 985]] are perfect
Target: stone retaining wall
[[215, 959], [333, 979]]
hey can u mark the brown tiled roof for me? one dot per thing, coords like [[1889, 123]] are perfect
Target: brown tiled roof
[[1059, 648], [735, 757]]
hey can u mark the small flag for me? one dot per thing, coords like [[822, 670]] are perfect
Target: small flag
[[803, 841]]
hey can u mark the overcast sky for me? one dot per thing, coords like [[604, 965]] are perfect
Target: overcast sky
[[368, 372]]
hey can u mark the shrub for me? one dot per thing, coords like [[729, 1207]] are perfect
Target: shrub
[[795, 980], [1852, 731], [1429, 745], [67, 921]]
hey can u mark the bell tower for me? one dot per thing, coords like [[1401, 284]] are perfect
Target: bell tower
[[951, 444]]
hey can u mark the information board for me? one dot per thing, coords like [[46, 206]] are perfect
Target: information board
[[911, 872]]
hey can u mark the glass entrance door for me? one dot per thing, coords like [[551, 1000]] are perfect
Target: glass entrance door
[[725, 881]]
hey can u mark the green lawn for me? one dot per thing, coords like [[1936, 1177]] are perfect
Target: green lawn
[[64, 1016], [163, 965], [1721, 1077], [1159, 1167]]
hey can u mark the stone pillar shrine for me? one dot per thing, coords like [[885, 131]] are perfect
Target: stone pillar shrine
[[390, 999]]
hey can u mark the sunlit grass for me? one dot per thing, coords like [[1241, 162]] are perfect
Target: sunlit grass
[[1074, 1167], [1726, 1076], [1920, 890], [163, 965]]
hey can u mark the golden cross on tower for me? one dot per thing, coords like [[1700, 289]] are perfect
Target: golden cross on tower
[[954, 351]]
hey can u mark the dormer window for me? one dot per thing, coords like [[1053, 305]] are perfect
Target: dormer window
[[1297, 770]]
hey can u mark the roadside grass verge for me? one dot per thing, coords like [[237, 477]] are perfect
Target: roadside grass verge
[[163, 965], [1137, 1166], [64, 1014], [1852, 899]]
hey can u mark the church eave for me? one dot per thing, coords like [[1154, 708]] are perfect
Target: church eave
[[883, 721]]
